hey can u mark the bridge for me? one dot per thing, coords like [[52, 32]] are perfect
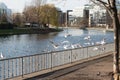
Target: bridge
[[33, 65]]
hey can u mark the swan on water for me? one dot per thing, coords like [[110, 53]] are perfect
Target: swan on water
[[67, 35], [1, 55], [95, 48], [55, 45], [87, 38]]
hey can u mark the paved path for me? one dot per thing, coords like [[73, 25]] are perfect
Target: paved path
[[98, 69]]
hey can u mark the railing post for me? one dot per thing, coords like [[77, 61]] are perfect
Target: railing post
[[98, 50], [8, 68], [71, 55], [22, 67], [87, 53], [83, 53], [51, 60]]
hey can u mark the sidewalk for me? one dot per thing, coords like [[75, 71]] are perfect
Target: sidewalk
[[98, 69]]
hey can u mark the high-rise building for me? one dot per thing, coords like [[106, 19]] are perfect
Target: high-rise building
[[6, 11]]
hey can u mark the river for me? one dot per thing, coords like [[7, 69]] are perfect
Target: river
[[28, 44]]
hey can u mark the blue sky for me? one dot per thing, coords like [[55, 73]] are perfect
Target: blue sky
[[18, 5]]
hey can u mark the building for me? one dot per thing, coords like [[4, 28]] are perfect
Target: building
[[6, 11], [91, 15], [62, 19], [79, 16], [77, 12], [97, 16]]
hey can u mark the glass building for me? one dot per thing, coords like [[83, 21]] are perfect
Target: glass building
[[6, 11]]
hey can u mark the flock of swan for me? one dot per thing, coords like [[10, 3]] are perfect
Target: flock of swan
[[68, 45]]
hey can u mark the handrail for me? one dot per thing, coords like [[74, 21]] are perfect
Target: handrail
[[20, 66], [53, 51]]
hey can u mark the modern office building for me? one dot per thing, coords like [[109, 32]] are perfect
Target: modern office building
[[97, 16], [6, 11], [78, 15], [77, 12]]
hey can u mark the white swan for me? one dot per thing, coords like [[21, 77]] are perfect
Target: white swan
[[76, 46], [55, 45], [67, 35], [95, 48], [103, 42], [87, 38], [1, 56]]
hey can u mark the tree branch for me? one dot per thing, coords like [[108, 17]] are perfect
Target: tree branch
[[109, 3]]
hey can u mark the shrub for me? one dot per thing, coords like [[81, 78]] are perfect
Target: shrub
[[5, 25]]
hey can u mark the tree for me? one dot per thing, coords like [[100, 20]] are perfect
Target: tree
[[110, 6], [29, 14], [37, 10], [49, 15], [17, 19], [44, 14], [4, 18], [84, 22]]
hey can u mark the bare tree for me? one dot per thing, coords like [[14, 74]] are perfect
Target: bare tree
[[17, 19], [29, 14], [45, 14], [110, 6], [3, 18], [83, 22], [38, 4]]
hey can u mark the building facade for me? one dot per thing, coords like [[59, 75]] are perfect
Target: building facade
[[91, 15], [98, 16], [5, 11]]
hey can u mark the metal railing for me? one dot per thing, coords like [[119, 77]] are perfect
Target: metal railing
[[20, 66]]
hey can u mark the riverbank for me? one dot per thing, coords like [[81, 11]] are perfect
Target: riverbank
[[28, 31], [91, 28], [104, 29]]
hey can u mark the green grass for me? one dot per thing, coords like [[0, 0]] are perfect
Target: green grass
[[13, 31]]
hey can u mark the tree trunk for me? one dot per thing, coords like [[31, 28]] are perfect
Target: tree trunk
[[116, 40]]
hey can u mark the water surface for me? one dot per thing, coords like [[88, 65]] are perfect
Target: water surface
[[28, 44]]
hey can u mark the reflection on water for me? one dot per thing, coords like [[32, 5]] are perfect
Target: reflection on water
[[20, 45]]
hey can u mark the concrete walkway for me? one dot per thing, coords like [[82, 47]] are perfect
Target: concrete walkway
[[97, 69]]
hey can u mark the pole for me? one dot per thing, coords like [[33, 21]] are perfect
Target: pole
[[22, 68]]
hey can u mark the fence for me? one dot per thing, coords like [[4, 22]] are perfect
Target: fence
[[20, 66]]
